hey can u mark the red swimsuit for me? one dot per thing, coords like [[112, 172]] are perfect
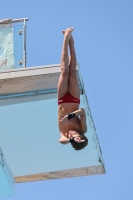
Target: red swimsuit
[[68, 98]]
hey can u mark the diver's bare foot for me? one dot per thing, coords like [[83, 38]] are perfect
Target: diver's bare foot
[[67, 33]]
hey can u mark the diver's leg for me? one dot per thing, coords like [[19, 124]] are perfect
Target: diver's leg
[[64, 75], [73, 81]]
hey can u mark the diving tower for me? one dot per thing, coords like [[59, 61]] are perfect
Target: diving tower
[[28, 97]]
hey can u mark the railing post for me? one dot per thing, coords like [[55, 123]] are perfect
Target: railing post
[[24, 44]]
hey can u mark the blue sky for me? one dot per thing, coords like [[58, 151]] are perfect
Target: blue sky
[[103, 32]]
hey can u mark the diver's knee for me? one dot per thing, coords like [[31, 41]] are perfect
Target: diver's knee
[[72, 73], [64, 71]]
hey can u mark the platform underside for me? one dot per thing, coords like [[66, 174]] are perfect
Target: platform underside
[[77, 172]]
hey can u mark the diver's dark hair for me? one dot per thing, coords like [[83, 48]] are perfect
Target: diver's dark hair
[[82, 145]]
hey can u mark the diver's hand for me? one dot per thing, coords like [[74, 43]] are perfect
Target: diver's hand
[[64, 119]]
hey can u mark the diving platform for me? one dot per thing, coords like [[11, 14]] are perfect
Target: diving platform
[[33, 80], [27, 80], [30, 96]]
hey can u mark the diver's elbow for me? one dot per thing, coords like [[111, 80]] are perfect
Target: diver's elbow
[[63, 141]]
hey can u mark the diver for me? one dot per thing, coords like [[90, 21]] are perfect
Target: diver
[[71, 118]]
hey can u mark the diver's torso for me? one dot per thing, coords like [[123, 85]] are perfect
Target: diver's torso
[[73, 124]]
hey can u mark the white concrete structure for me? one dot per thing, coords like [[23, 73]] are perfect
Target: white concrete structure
[[33, 80]]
